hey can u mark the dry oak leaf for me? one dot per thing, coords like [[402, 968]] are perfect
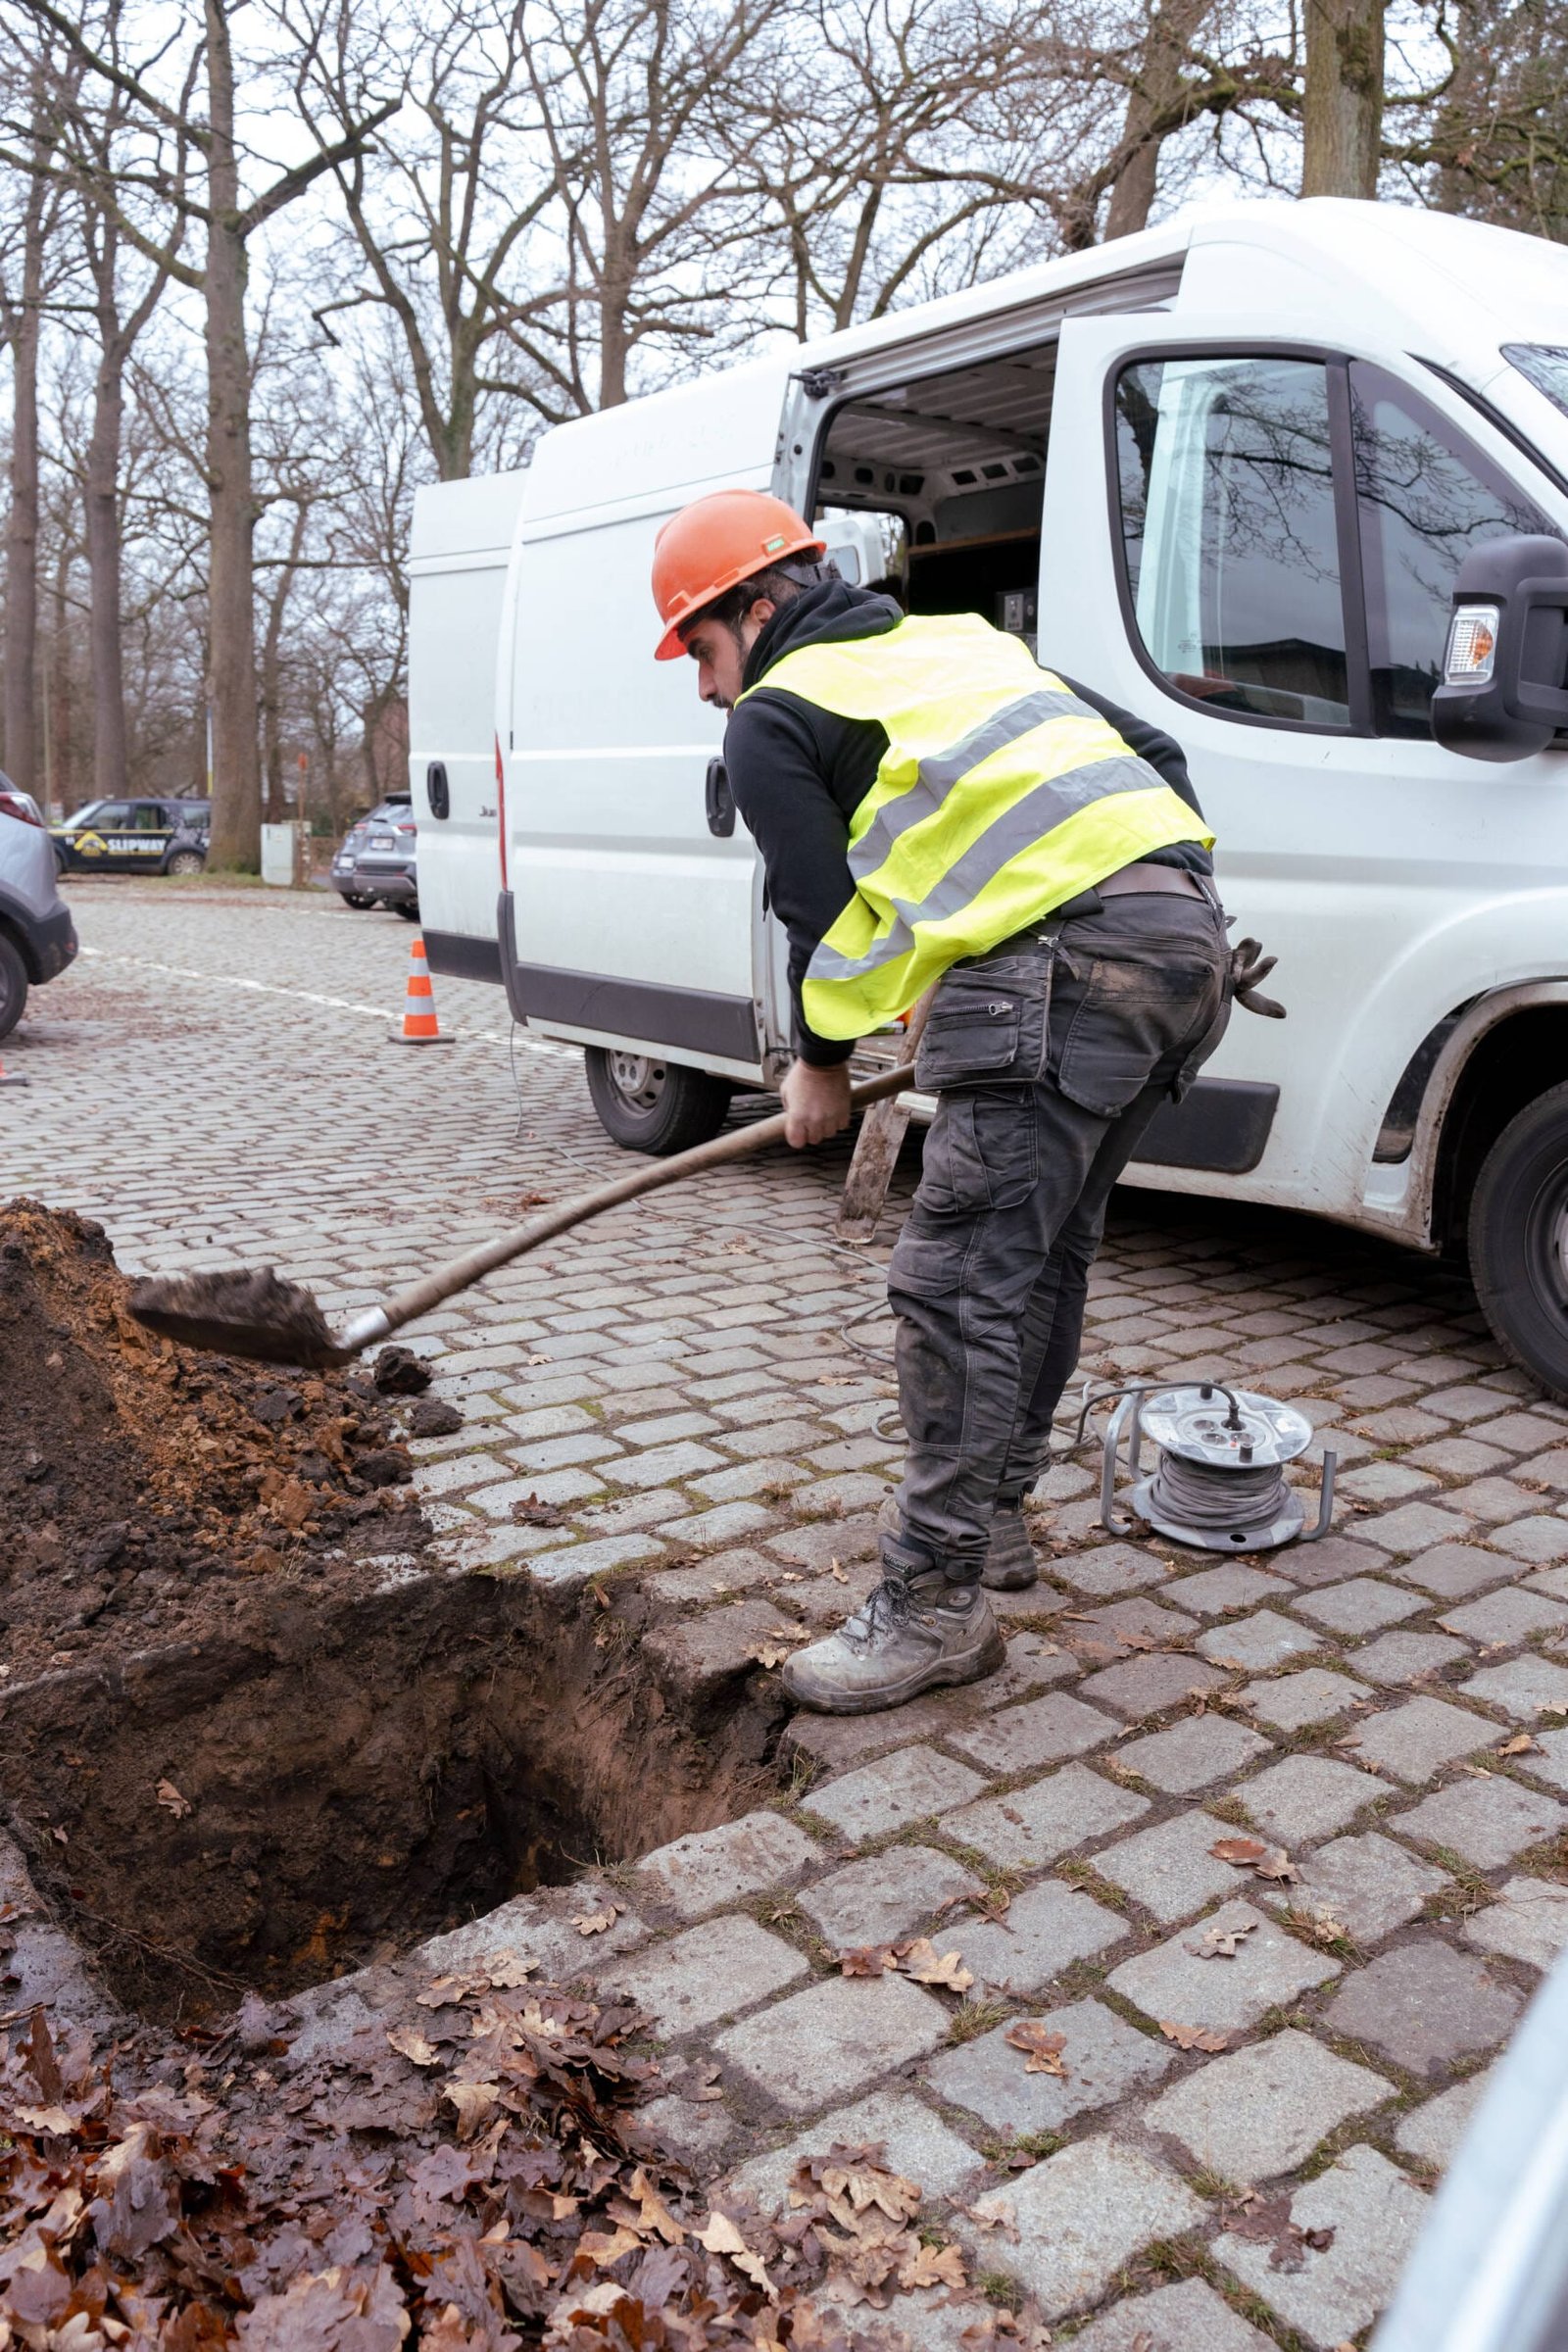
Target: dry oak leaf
[[1041, 2046], [868, 1960], [922, 1963], [656, 2216], [934, 2265], [473, 2104], [1194, 2038], [594, 1923], [720, 2236], [1278, 1865], [410, 2044], [1222, 1943], [1243, 1852], [170, 1799], [1523, 1745], [856, 2183]]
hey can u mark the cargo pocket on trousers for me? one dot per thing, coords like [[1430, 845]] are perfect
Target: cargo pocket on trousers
[[981, 1031], [925, 1265], [982, 1150]]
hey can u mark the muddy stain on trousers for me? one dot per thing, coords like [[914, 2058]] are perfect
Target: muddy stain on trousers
[[1049, 1057]]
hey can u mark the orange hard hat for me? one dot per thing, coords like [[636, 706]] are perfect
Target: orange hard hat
[[715, 543]]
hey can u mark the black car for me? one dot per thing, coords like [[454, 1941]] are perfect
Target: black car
[[374, 865], [134, 837]]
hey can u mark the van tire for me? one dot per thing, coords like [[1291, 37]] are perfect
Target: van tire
[[13, 985], [649, 1106], [1519, 1240]]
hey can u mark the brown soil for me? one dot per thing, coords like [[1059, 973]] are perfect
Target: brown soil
[[147, 1492]]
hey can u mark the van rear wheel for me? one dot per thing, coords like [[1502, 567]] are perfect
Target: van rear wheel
[[650, 1106], [1519, 1240]]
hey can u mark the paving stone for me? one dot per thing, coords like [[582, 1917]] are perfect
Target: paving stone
[[885, 1896], [1192, 1754], [1385, 1481], [1218, 1589], [1363, 1606], [1306, 1797], [1405, 1657], [706, 1974], [1550, 1469], [1105, 2058], [833, 2039], [712, 1867], [1263, 1639], [1261, 2111], [1368, 1884], [1413, 1527], [1079, 2217], [1549, 1760], [1458, 1457], [1488, 1821], [1453, 1570], [1520, 1433], [1044, 1730], [1032, 1826], [1169, 1867], [1415, 1741], [1435, 2130], [1045, 1930], [1268, 1968], [1506, 1616], [697, 2131], [1522, 1689], [708, 1579], [1376, 2216], [1187, 2318], [720, 1525], [1423, 2006], [1328, 1561], [906, 1787], [695, 1655], [1109, 1568], [1529, 1920], [1533, 1539], [1149, 1684], [1292, 1700], [1121, 1618], [530, 1927], [918, 2143]]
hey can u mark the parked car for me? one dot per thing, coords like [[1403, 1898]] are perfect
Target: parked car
[[165, 836], [37, 937], [375, 863], [1224, 471]]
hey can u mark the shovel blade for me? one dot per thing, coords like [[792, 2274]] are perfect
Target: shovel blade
[[239, 1311]]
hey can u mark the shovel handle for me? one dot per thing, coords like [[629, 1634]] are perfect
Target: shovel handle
[[458, 1273]]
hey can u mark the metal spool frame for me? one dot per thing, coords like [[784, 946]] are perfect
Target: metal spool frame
[[1219, 1482]]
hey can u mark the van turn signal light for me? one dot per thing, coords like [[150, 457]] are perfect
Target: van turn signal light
[[1472, 645]]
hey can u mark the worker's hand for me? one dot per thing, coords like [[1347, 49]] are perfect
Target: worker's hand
[[817, 1102]]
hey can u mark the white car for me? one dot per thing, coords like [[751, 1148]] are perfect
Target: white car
[[1224, 474], [37, 937]]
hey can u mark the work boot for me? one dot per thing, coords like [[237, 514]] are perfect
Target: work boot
[[1011, 1562], [913, 1633]]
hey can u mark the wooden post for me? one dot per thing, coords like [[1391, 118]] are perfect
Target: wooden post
[[876, 1148]]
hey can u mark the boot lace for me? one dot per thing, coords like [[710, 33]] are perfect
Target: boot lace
[[885, 1606]]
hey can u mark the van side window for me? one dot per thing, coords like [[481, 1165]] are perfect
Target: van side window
[[1228, 522], [1422, 506]]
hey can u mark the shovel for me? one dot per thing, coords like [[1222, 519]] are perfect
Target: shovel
[[249, 1313]]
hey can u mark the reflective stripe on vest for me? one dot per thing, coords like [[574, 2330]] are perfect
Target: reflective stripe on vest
[[1001, 794]]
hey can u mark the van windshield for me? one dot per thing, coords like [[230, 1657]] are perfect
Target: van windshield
[[1543, 364]]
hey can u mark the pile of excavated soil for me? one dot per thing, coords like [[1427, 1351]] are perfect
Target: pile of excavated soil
[[143, 1488]]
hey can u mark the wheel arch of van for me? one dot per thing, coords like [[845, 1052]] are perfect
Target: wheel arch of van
[[1471, 1075]]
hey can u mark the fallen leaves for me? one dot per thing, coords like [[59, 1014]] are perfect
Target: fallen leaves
[[1521, 1746], [595, 1923], [1194, 2038], [530, 1511], [860, 2217], [170, 1799], [1041, 2047], [1250, 1854], [918, 1960], [1267, 2222], [1222, 1943]]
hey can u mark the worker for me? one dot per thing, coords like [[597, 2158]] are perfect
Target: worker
[[932, 807]]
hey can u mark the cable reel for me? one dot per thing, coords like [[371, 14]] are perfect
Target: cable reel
[[1219, 1481]]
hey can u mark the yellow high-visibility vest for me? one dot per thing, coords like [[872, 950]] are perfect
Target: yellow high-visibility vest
[[1001, 796]]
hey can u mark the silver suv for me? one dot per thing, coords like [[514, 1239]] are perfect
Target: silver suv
[[37, 937]]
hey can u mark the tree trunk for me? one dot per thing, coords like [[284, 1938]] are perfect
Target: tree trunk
[[101, 499], [1343, 113], [22, 523], [1151, 100], [236, 839]]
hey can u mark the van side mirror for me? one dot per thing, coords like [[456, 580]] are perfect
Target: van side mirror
[[1505, 665]]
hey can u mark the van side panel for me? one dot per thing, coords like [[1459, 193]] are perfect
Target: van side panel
[[455, 622]]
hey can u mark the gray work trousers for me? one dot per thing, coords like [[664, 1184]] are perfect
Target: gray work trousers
[[1049, 1057]]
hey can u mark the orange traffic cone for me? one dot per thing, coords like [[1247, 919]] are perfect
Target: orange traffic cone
[[12, 1077], [420, 1024]]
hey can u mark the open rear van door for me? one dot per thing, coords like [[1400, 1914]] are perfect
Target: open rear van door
[[1249, 539]]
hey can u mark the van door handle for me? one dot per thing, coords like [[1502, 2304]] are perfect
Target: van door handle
[[721, 801]]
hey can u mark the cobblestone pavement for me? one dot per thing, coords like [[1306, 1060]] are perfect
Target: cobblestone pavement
[[697, 1382]]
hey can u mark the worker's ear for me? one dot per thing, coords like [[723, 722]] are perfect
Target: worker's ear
[[757, 619]]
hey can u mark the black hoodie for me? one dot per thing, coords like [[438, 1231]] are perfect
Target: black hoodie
[[799, 773]]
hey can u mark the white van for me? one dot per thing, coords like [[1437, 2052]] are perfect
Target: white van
[[1224, 473]]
